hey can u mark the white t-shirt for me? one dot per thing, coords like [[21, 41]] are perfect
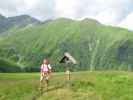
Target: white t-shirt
[[49, 67]]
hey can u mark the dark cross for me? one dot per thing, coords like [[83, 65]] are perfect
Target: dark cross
[[67, 58]]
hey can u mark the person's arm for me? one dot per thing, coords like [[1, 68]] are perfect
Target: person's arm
[[50, 70], [41, 70], [41, 73], [49, 67]]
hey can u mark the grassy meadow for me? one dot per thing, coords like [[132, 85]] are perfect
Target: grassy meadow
[[108, 85]]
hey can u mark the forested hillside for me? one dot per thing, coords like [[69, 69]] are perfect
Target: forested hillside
[[94, 45]]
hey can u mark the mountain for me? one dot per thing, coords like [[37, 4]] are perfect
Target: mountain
[[16, 21], [22, 20], [3, 23], [95, 46], [2, 17]]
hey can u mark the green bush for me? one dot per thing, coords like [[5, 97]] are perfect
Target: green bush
[[8, 66]]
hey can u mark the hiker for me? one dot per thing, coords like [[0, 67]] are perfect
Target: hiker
[[45, 71]]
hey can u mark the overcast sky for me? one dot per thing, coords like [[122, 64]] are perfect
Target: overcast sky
[[110, 12]]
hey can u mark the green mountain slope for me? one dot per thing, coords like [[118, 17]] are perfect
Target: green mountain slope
[[7, 23], [94, 46]]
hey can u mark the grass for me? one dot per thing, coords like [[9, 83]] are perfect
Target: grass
[[108, 85]]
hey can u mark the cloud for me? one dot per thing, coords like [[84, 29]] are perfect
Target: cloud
[[127, 22], [12, 7], [106, 11], [111, 12], [43, 9]]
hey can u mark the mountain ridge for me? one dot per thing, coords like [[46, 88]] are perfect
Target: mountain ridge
[[94, 45], [16, 21]]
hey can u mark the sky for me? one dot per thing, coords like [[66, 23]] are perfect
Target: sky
[[109, 12]]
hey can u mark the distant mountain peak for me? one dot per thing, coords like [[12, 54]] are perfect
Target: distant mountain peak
[[2, 17], [17, 21], [88, 20], [64, 19], [24, 17], [23, 20]]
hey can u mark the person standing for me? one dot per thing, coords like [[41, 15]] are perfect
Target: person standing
[[45, 72]]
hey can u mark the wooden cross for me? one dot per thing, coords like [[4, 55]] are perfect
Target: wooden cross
[[67, 58]]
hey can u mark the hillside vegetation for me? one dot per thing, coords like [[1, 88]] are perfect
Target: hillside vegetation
[[94, 45]]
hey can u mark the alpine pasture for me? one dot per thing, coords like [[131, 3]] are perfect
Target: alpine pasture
[[110, 85], [104, 57]]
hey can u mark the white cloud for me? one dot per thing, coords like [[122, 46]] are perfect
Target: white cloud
[[127, 22], [30, 3], [43, 9], [110, 12], [67, 8], [11, 7], [106, 11]]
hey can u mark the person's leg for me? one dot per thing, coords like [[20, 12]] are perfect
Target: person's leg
[[41, 84], [46, 81]]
